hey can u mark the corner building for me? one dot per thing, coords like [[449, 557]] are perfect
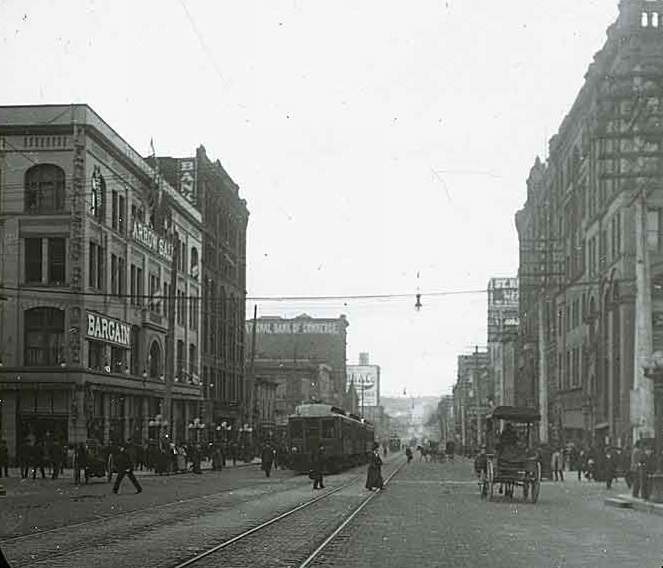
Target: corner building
[[579, 296], [87, 251]]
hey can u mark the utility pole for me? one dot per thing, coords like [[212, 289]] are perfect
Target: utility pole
[[642, 396], [543, 376]]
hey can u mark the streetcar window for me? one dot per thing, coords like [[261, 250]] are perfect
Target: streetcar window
[[296, 430], [328, 428]]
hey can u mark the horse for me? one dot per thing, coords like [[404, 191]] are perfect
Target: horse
[[424, 453]]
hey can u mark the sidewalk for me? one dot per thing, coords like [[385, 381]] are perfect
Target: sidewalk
[[16, 486]]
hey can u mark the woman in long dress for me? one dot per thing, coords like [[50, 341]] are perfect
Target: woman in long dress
[[374, 473]]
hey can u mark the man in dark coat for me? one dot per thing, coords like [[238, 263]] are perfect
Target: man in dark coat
[[267, 459], [317, 467], [374, 473], [125, 466]]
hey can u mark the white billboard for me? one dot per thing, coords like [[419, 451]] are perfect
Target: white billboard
[[366, 381]]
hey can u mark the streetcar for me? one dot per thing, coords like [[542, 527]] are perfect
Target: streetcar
[[517, 465], [347, 438]]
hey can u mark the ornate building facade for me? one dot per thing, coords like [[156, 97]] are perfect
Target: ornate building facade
[[87, 247], [592, 216]]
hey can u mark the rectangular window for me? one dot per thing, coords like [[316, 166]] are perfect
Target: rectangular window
[[92, 265], [193, 362], [132, 285], [96, 355], [166, 299], [139, 286], [113, 271], [56, 261], [118, 359], [121, 276], [121, 213], [180, 359], [33, 261], [155, 290], [114, 215]]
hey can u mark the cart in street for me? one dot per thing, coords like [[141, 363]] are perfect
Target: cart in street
[[509, 461]]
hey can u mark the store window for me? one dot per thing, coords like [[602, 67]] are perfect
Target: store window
[[44, 337], [118, 360], [96, 355]]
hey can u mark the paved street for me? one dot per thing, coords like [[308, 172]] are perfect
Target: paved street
[[42, 504], [431, 515]]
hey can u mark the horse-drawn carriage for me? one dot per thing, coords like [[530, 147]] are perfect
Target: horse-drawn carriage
[[95, 460], [509, 460]]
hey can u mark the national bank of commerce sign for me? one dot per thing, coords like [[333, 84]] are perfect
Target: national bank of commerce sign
[[109, 330]]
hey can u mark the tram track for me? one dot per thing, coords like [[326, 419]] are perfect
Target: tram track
[[33, 549], [291, 545], [105, 518]]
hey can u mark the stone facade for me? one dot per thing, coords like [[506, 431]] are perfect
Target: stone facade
[[577, 232], [87, 253]]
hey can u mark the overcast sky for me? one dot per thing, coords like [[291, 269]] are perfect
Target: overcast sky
[[373, 140]]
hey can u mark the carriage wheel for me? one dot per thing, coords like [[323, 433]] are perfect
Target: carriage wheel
[[491, 480], [536, 484]]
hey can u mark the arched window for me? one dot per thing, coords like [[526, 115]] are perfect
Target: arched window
[[44, 189], [194, 263], [44, 337], [155, 362]]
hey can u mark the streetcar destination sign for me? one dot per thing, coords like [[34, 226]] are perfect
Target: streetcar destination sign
[[108, 330]]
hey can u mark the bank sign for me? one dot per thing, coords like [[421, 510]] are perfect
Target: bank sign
[[109, 330], [366, 381], [148, 237]]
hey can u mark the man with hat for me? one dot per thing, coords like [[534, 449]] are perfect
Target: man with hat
[[125, 466]]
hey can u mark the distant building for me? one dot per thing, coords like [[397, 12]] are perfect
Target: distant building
[[288, 350], [471, 397], [503, 314]]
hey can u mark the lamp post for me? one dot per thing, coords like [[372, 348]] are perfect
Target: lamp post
[[248, 430], [158, 422], [196, 426], [224, 427], [653, 369]]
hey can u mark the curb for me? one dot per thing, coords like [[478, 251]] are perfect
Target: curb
[[627, 502]]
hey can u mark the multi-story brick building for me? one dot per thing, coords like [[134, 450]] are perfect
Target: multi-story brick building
[[472, 397], [307, 348], [225, 217], [580, 290], [87, 250]]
